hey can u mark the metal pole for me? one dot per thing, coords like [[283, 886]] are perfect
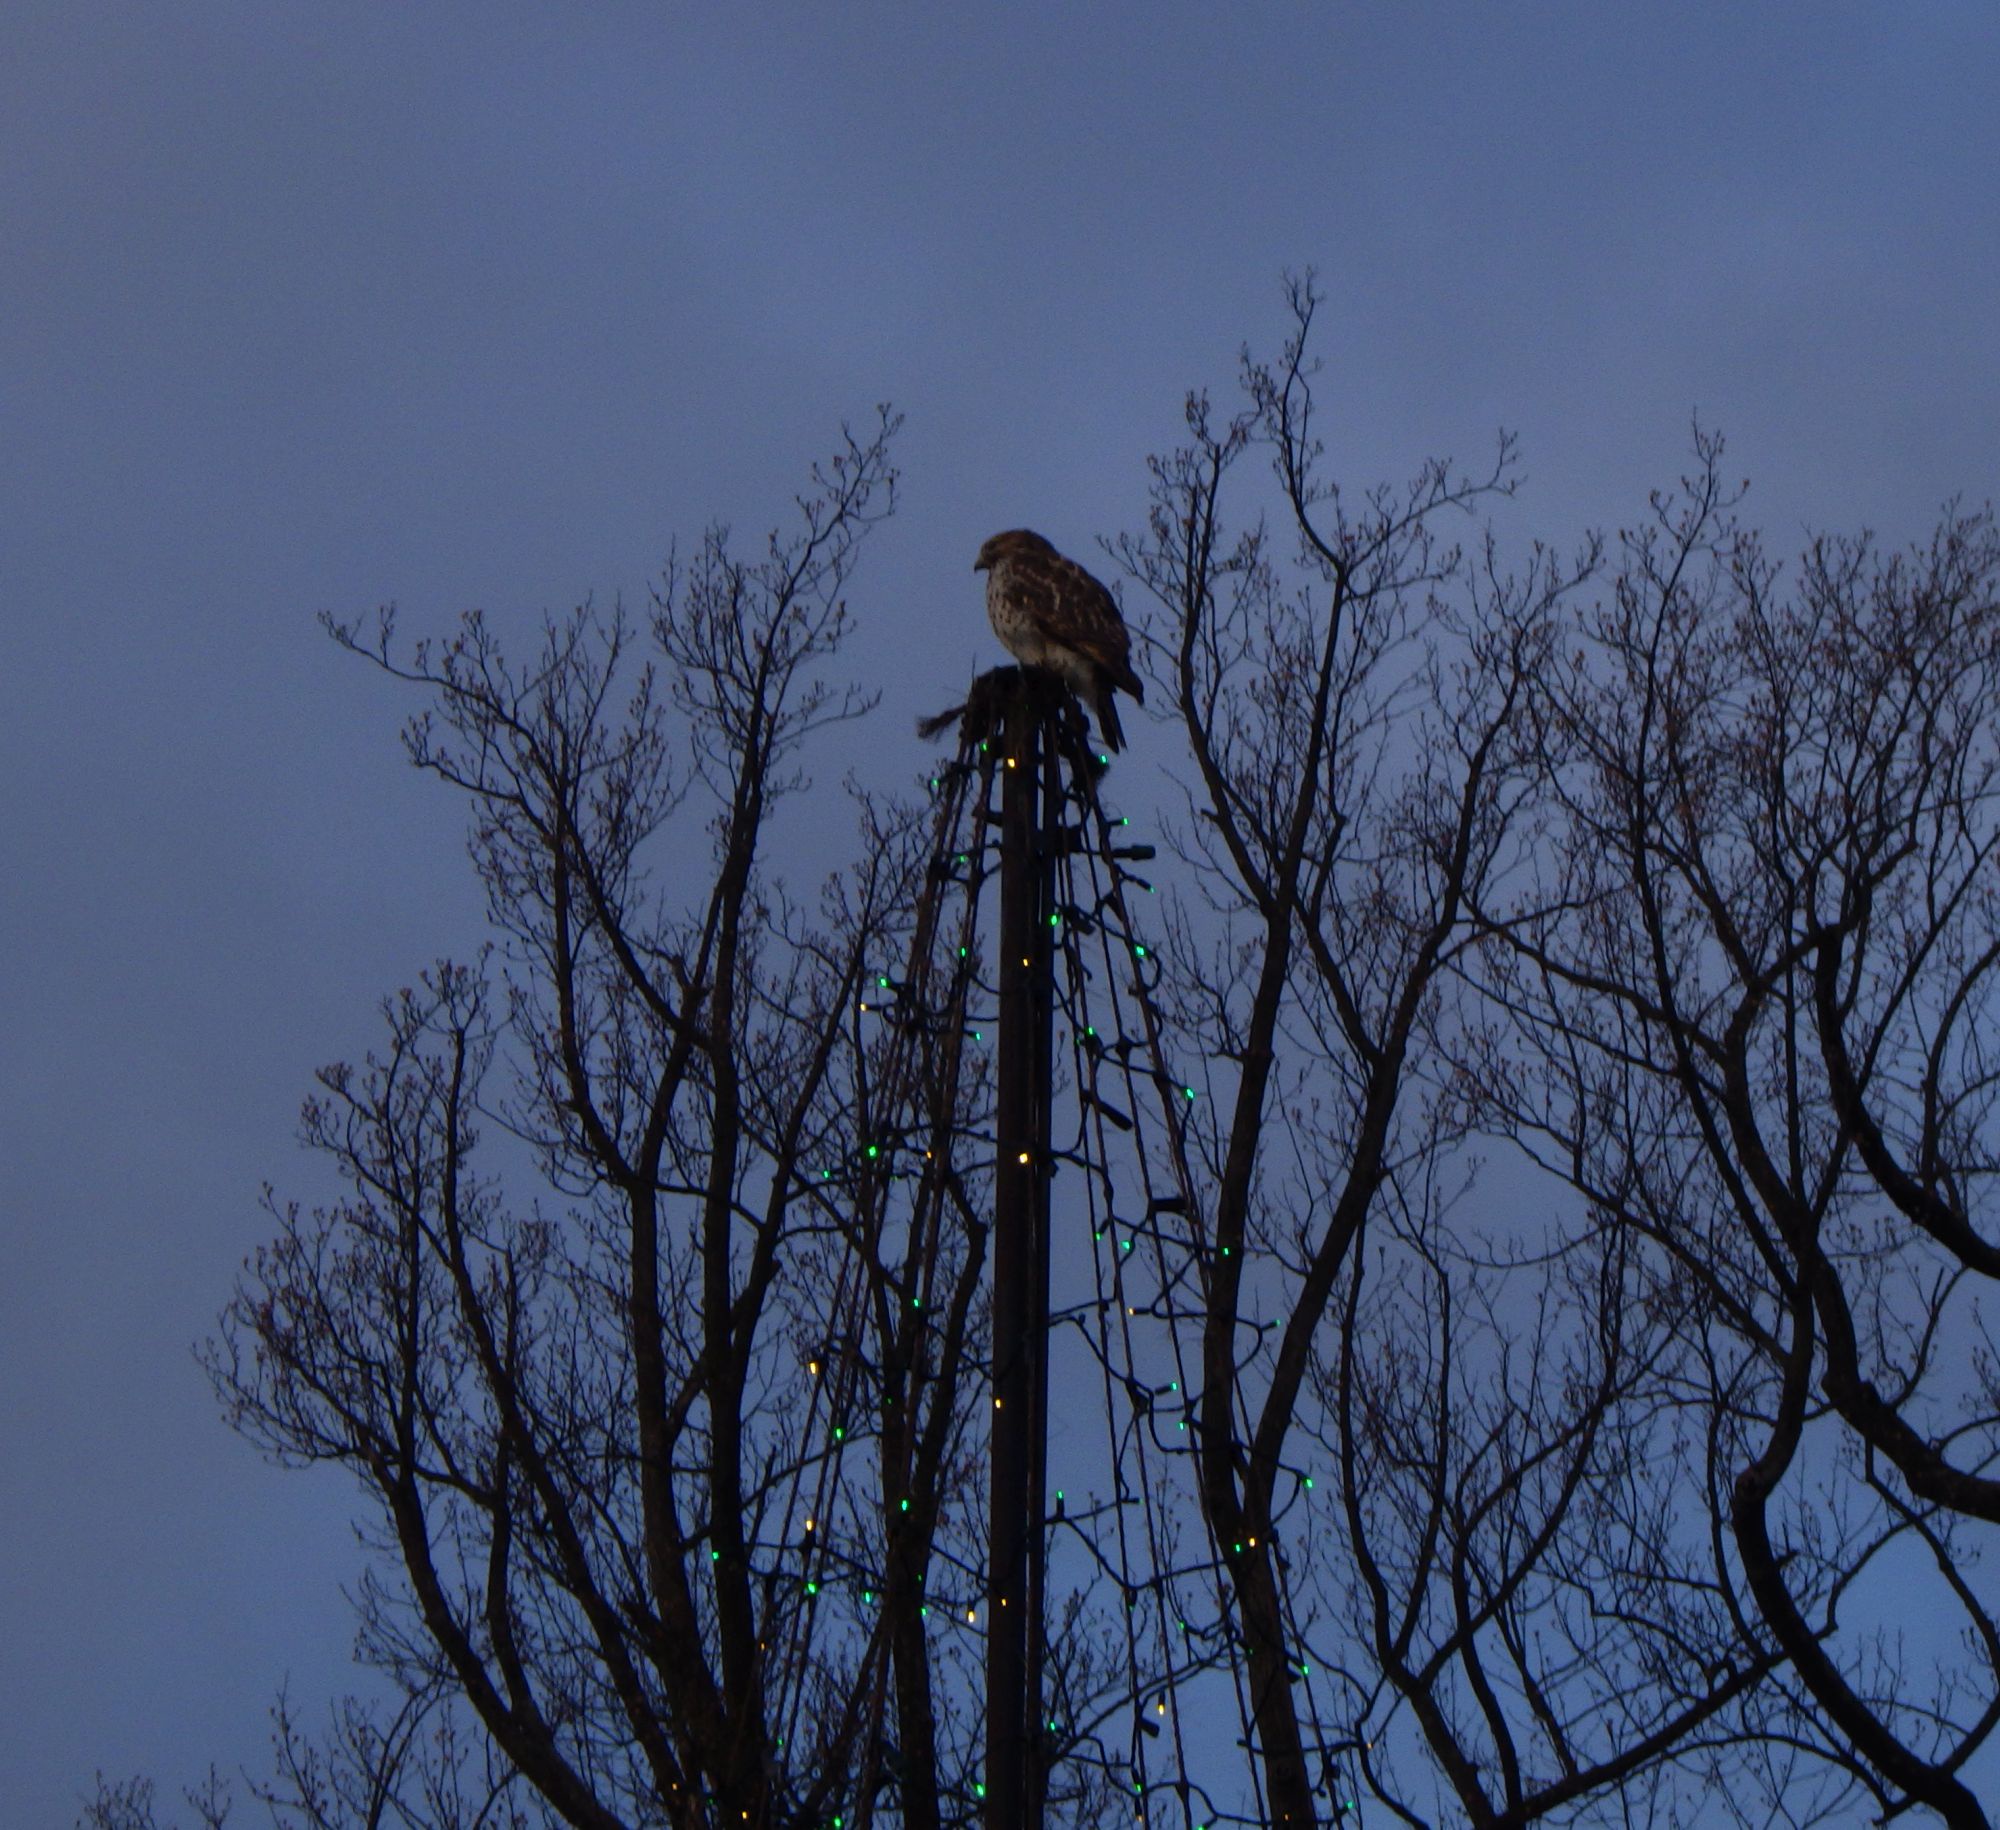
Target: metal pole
[[1048, 841], [1015, 1768]]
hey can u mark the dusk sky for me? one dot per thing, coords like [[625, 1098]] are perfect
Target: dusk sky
[[309, 307]]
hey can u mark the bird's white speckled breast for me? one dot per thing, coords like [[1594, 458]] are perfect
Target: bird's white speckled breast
[[1015, 628]]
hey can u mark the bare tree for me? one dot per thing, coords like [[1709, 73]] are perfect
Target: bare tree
[[128, 1804], [663, 1458], [1759, 987], [1484, 1601]]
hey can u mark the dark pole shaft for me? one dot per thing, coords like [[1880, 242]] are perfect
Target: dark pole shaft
[[1048, 848], [1014, 1781]]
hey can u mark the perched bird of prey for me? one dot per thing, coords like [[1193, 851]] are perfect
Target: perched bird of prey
[[1049, 612]]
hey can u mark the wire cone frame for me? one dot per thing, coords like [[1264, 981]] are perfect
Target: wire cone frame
[[1140, 1637]]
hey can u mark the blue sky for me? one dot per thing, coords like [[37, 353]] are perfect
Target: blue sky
[[308, 307]]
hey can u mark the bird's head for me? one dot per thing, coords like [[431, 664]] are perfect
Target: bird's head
[[1016, 541]]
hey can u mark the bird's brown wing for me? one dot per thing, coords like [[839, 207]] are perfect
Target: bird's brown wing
[[1072, 608]]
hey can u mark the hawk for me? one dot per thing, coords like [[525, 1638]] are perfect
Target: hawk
[[1049, 612]]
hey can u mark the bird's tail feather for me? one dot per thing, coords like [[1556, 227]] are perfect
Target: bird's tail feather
[[1107, 718]]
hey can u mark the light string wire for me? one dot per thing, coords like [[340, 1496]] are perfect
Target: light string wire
[[1131, 970], [923, 1052]]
